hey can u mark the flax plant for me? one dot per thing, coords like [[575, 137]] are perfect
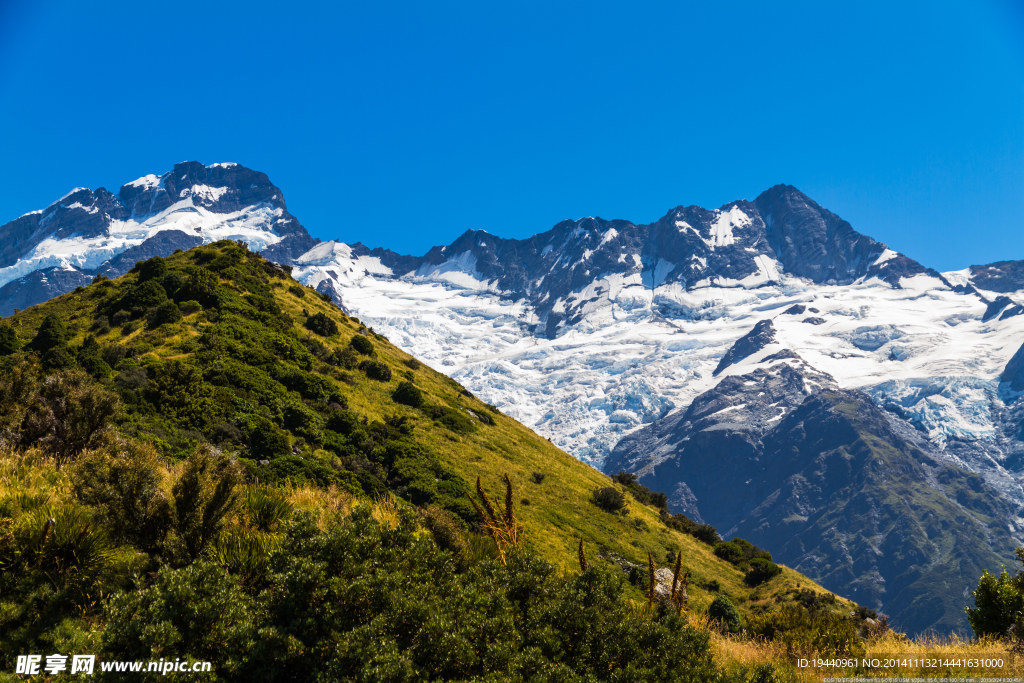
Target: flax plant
[[500, 525]]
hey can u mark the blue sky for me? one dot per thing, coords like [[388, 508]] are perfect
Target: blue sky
[[404, 124]]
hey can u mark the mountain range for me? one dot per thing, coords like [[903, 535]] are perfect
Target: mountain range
[[777, 373]]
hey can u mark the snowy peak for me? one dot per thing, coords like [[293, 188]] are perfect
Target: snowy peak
[[87, 231]]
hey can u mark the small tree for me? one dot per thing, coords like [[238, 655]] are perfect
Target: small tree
[[998, 603]]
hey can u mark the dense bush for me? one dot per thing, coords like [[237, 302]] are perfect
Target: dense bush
[[998, 604], [151, 269], [362, 602], [761, 570], [408, 394], [167, 312], [723, 611], [729, 551], [609, 499], [362, 345], [204, 495], [321, 324], [67, 414], [8, 340], [377, 370], [123, 482]]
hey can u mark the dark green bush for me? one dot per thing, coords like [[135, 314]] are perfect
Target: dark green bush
[[362, 345], [322, 324], [998, 604], [189, 307], [409, 394], [412, 363], [8, 340], [151, 269], [814, 631], [723, 611], [729, 551], [298, 290], [167, 312], [640, 492], [362, 602], [706, 534], [52, 333], [538, 477], [761, 570], [67, 414], [143, 295], [375, 369], [90, 358], [609, 499]]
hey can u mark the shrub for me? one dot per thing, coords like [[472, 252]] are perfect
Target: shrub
[[729, 551], [167, 312], [90, 358], [189, 307], [761, 570], [408, 394], [144, 295], [267, 508], [203, 495], [821, 632], [151, 269], [198, 612], [124, 483], [375, 369], [297, 290], [52, 333], [723, 611], [538, 477], [412, 363], [640, 492], [321, 324], [200, 285], [609, 499], [362, 345], [8, 340], [67, 415], [998, 603], [706, 534]]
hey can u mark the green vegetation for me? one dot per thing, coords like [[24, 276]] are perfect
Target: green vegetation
[[236, 479], [999, 604]]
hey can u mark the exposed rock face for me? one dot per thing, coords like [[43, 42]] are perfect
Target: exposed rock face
[[1014, 372], [758, 338], [1002, 276], [833, 485], [813, 242]]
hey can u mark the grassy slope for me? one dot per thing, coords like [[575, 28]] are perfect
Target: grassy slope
[[558, 511]]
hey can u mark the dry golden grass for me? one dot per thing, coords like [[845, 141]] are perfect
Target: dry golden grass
[[891, 656]]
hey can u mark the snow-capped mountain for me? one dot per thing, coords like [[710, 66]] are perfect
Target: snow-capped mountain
[[594, 328], [89, 232], [767, 344]]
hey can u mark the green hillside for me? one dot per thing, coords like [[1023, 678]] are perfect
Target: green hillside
[[218, 347]]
